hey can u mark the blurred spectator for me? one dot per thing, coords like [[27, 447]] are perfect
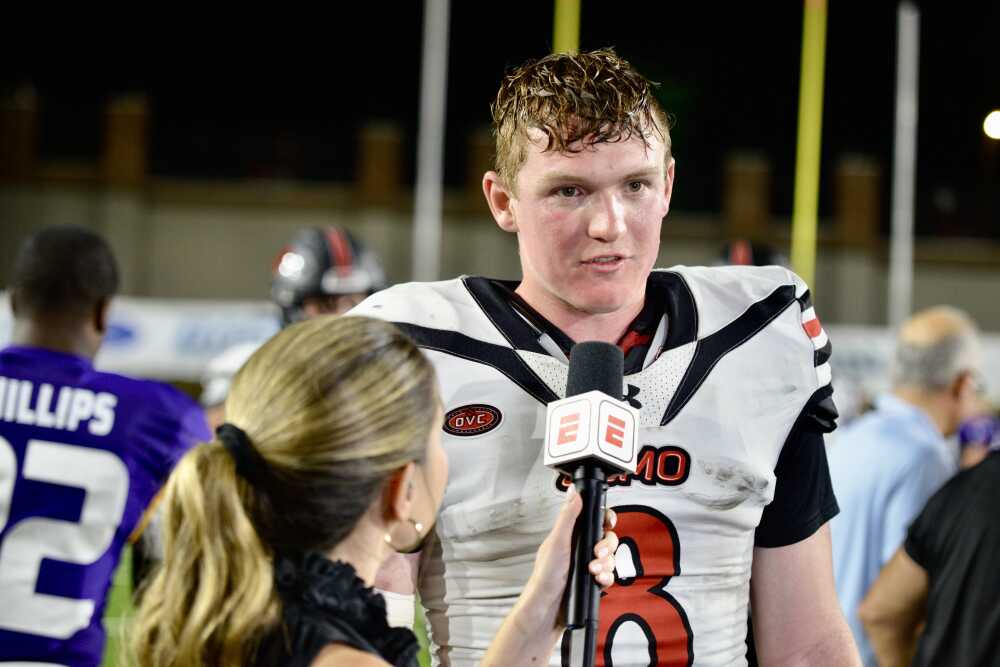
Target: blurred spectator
[[887, 463], [936, 602], [217, 378], [976, 437], [321, 271], [82, 453], [324, 271]]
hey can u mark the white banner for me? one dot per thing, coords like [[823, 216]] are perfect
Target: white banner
[[172, 339], [861, 358]]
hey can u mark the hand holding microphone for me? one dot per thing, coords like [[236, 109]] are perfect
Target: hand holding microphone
[[590, 434], [536, 622], [555, 557]]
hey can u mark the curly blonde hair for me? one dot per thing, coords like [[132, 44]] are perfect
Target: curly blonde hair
[[591, 98]]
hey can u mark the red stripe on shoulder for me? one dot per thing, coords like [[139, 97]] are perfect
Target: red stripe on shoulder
[[813, 327]]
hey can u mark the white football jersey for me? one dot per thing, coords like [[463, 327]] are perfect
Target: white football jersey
[[735, 361]]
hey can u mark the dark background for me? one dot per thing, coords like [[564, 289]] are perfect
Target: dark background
[[286, 98]]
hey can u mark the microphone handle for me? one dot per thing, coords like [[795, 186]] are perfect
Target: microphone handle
[[583, 595]]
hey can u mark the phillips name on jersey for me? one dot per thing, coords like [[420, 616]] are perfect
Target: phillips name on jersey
[[737, 365], [82, 454]]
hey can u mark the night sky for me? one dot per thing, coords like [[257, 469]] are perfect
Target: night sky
[[230, 102]]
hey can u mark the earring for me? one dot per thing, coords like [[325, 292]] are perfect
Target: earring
[[418, 528]]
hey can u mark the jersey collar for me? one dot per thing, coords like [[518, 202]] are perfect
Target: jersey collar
[[667, 294]]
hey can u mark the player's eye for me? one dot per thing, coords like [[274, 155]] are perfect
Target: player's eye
[[636, 186], [569, 191]]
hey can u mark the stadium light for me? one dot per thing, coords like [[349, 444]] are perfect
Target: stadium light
[[991, 126]]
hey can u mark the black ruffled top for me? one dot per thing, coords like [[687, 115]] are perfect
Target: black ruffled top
[[324, 602]]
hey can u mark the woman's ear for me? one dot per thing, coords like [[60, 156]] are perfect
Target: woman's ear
[[397, 497]]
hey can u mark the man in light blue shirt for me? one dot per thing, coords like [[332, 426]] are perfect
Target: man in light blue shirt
[[887, 463]]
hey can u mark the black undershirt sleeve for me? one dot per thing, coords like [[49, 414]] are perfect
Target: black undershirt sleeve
[[803, 495]]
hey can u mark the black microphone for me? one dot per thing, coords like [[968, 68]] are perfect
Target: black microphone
[[590, 434]]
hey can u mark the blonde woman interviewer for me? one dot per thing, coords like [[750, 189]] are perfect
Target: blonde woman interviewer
[[330, 461]]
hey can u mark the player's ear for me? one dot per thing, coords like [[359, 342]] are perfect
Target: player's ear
[[100, 315], [13, 302], [668, 182], [500, 200]]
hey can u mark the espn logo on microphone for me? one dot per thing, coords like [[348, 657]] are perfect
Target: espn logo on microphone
[[591, 425]]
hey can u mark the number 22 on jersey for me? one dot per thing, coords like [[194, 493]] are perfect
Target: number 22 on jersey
[[105, 481]]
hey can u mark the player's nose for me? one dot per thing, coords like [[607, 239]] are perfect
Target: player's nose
[[608, 220]]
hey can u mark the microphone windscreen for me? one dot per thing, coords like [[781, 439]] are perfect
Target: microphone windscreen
[[594, 365]]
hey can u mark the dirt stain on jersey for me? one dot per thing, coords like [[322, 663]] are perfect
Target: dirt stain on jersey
[[736, 485]]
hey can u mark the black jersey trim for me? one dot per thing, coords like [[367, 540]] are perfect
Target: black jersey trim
[[711, 349], [667, 291], [508, 314], [822, 355], [538, 320], [493, 298], [503, 359], [805, 301], [679, 304]]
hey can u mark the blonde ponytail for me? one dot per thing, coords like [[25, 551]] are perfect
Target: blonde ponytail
[[213, 598]]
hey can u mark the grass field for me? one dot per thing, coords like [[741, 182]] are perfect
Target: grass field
[[119, 610]]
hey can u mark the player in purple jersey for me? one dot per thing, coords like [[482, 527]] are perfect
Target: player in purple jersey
[[82, 453]]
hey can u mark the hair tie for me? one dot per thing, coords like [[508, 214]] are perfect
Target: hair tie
[[250, 465]]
